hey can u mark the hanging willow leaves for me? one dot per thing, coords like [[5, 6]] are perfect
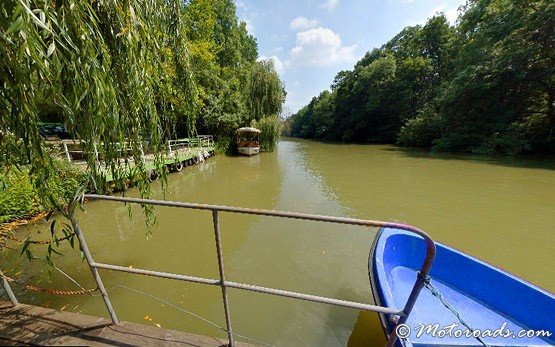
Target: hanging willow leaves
[[115, 72], [265, 91], [123, 77]]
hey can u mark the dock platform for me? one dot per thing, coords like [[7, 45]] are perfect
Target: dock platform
[[32, 325]]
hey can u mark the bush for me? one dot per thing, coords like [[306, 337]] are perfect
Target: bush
[[20, 199], [270, 126], [420, 131], [226, 145]]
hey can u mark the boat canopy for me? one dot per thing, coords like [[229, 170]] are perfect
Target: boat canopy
[[248, 130]]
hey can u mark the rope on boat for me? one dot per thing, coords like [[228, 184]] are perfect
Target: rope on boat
[[435, 292]]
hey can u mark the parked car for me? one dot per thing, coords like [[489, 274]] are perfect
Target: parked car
[[54, 129]]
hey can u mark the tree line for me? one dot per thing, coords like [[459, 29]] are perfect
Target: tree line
[[484, 85]]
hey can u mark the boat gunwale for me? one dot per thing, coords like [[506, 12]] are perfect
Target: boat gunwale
[[372, 269]]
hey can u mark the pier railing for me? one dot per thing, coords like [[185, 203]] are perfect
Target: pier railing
[[200, 141], [400, 315]]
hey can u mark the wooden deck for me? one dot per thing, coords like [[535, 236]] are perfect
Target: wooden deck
[[32, 325]]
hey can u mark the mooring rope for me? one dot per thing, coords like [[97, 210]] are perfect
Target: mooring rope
[[48, 290], [435, 292], [69, 277], [10, 226], [188, 312], [90, 291]]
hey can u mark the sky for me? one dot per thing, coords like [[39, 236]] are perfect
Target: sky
[[310, 41]]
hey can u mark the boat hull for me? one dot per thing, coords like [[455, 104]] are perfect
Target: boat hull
[[487, 298], [248, 151]]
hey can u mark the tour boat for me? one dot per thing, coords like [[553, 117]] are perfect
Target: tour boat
[[500, 308], [248, 141]]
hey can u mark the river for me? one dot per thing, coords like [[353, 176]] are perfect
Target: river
[[500, 210]]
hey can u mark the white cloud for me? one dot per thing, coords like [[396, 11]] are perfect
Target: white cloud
[[246, 14], [241, 5], [278, 64], [303, 23], [330, 4], [450, 14], [250, 26], [319, 47]]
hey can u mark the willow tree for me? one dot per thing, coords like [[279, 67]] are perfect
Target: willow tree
[[265, 94], [117, 72]]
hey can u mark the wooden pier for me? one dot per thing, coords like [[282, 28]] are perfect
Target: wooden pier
[[32, 325], [180, 153]]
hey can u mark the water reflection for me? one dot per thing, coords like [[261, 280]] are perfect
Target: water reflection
[[500, 213]]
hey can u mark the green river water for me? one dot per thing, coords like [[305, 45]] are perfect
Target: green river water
[[497, 209]]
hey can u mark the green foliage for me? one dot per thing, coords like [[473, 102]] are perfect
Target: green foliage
[[270, 128], [19, 198], [485, 85], [233, 89], [118, 73], [265, 91], [421, 131]]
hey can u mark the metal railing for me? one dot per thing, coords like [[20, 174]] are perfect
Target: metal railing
[[172, 145], [225, 284], [206, 140], [188, 143], [179, 144]]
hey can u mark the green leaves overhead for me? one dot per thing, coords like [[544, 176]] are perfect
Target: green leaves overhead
[[111, 71]]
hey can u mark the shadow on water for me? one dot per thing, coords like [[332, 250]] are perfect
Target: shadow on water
[[352, 328], [367, 331], [531, 161]]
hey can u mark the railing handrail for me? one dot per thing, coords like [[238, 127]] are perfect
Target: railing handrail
[[403, 314], [260, 212], [189, 142], [224, 284]]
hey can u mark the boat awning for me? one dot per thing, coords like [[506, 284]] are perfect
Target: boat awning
[[248, 130]]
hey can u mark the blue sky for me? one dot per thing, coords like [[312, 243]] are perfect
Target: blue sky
[[310, 41]]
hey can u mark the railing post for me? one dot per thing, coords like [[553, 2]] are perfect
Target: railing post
[[94, 270], [8, 290], [66, 150], [169, 147], [216, 221]]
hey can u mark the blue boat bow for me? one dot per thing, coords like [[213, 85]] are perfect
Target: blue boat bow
[[498, 306]]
